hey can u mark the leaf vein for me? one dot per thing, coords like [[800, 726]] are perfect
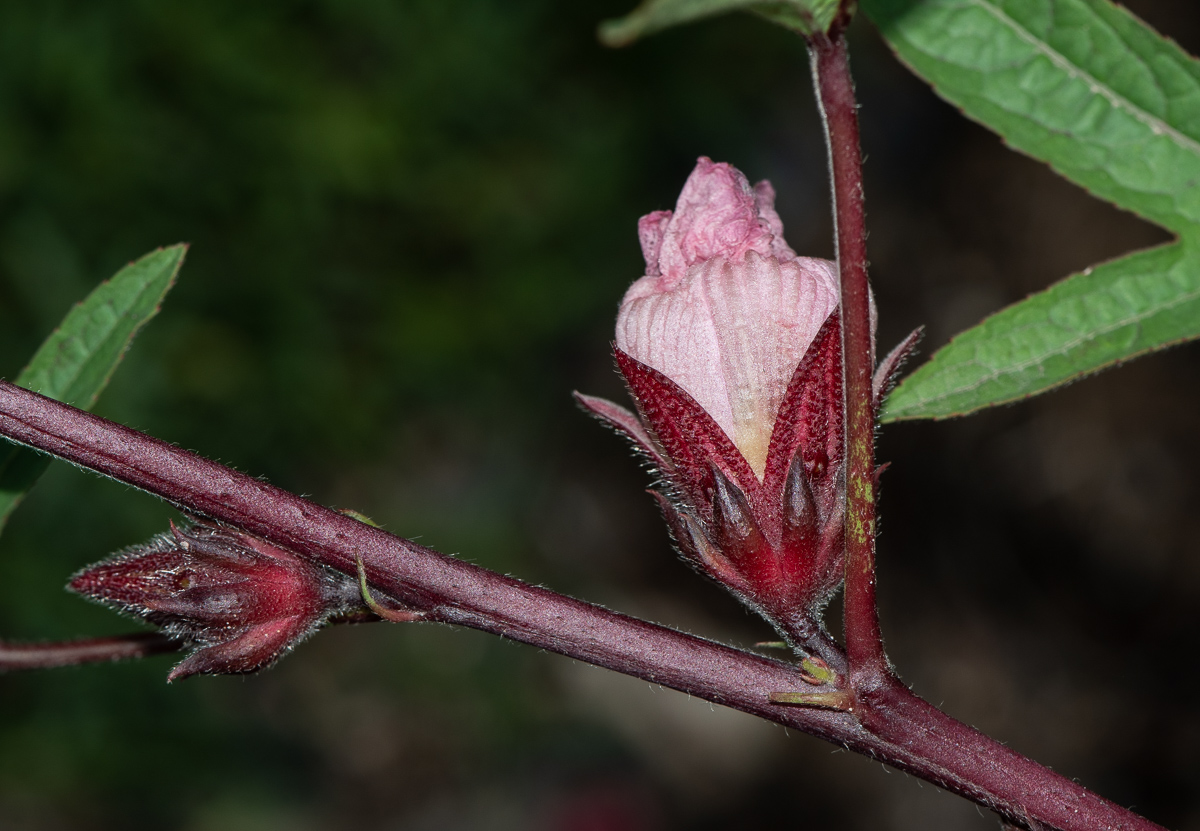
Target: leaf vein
[[1154, 123]]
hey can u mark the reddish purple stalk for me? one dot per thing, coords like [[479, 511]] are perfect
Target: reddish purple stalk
[[91, 651], [835, 94], [904, 731]]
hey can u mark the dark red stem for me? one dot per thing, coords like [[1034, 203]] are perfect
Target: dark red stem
[[16, 655], [880, 702], [904, 731], [91, 651], [835, 94]]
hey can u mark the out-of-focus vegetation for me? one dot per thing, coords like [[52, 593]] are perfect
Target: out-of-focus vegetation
[[411, 222]]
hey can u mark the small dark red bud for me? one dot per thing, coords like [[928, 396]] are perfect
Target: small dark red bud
[[237, 601]]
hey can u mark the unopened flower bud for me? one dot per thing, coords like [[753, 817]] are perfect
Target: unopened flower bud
[[726, 309], [731, 348], [239, 602]]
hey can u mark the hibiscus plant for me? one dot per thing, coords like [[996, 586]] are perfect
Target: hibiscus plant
[[756, 394]]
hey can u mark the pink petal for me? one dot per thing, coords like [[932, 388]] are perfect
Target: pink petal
[[718, 215], [731, 335], [764, 201], [651, 229]]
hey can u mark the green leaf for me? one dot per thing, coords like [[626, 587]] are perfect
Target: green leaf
[[1090, 321], [76, 362], [1112, 106], [804, 16], [1080, 84]]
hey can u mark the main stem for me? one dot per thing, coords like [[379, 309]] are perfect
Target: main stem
[[905, 731], [868, 665]]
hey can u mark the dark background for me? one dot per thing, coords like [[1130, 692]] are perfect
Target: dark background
[[411, 225]]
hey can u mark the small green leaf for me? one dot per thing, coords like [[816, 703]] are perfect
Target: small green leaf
[[804, 16], [1089, 321], [76, 362]]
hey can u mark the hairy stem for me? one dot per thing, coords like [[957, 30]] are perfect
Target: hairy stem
[[835, 94], [90, 651], [904, 732]]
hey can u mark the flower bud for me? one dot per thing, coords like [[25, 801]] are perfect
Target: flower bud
[[731, 348], [239, 602], [726, 309]]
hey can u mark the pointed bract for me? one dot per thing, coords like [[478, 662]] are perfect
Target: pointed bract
[[687, 434], [622, 421], [801, 524], [810, 420], [251, 649], [737, 527], [889, 368]]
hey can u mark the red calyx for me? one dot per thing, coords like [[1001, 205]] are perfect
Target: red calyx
[[239, 602], [776, 543]]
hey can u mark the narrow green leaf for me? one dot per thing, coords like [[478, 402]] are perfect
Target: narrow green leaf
[[1111, 105], [1080, 84], [1106, 315], [78, 359], [805, 16]]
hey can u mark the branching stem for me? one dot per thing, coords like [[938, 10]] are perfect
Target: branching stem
[[904, 731]]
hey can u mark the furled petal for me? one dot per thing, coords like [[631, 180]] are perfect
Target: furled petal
[[718, 215]]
